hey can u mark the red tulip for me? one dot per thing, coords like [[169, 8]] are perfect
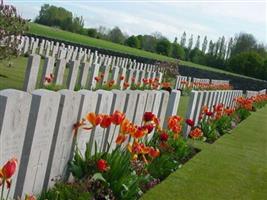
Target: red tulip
[[9, 168], [149, 127], [106, 121], [117, 117], [190, 122], [102, 165], [148, 116], [164, 137], [154, 152]]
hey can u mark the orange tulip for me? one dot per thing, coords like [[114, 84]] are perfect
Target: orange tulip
[[139, 133], [124, 126], [117, 117], [106, 121], [196, 133], [154, 152], [9, 169], [120, 139], [94, 119]]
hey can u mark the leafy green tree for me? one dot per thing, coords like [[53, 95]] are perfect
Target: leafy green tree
[[148, 43], [178, 51], [59, 17], [248, 63], [133, 41], [204, 44], [11, 27], [163, 47], [116, 35], [243, 42], [92, 32]]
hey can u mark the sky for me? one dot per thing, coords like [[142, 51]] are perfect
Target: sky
[[171, 18]]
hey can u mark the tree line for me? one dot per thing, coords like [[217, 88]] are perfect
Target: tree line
[[240, 54]]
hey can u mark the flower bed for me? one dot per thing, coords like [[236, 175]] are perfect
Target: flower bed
[[144, 155], [221, 120]]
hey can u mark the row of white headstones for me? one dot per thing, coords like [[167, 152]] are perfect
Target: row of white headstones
[[77, 56], [36, 128], [68, 52], [82, 74], [179, 82]]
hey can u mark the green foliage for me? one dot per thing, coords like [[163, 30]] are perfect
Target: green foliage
[[223, 125], [162, 166], [122, 180], [248, 63], [242, 113], [62, 191], [163, 47], [59, 17], [116, 35], [11, 26], [92, 32], [209, 130], [133, 41], [178, 51], [53, 87]]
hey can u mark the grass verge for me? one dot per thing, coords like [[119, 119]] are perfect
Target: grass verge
[[234, 167]]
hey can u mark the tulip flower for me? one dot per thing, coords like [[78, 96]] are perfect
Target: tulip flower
[[120, 139], [121, 78], [149, 127], [164, 137], [106, 121], [117, 117], [9, 169], [97, 79], [102, 165], [190, 122], [148, 116], [139, 133], [94, 119], [196, 133], [154, 152]]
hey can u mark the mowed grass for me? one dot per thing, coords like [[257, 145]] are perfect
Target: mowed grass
[[234, 167], [55, 33], [13, 77]]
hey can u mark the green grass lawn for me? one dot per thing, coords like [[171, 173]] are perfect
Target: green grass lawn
[[234, 167], [50, 32], [13, 77]]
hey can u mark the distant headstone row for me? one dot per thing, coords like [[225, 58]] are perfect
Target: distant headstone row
[[182, 81], [71, 53], [250, 93], [39, 126], [198, 99], [84, 75]]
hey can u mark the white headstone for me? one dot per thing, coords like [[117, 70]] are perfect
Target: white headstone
[[62, 143], [39, 134], [31, 73]]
